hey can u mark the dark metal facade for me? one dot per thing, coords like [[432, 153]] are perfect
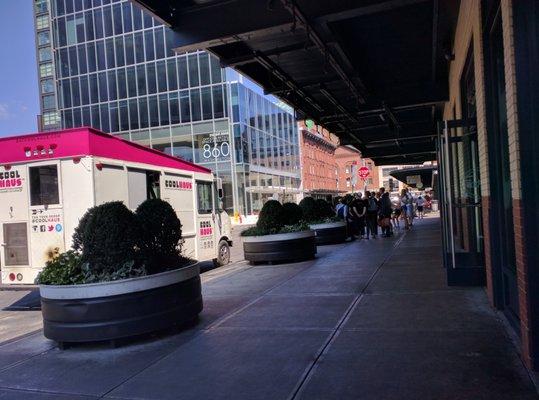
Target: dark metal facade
[[373, 72]]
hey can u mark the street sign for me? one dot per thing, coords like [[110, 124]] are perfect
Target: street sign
[[354, 175], [364, 172]]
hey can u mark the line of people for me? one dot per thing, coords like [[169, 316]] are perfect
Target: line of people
[[365, 214]]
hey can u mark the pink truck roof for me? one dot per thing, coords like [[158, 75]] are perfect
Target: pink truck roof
[[80, 142]]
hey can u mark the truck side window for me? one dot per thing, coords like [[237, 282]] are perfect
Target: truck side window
[[204, 197], [44, 185]]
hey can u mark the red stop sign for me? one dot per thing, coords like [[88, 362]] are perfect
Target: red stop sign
[[364, 172]]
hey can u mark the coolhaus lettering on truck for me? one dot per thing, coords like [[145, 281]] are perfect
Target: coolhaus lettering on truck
[[205, 228], [46, 221], [10, 181], [178, 185]]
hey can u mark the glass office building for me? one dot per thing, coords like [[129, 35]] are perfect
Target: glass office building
[[109, 65]]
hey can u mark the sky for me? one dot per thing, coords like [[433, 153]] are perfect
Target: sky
[[19, 101]]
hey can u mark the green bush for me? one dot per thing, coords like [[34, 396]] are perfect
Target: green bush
[[292, 213], [271, 217], [111, 243], [109, 236], [253, 231], [80, 229], [324, 209], [310, 210], [63, 269], [161, 236], [300, 226], [128, 269], [256, 231]]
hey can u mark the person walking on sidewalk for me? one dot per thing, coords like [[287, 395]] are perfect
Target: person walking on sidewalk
[[385, 215], [404, 207], [372, 214], [358, 210], [410, 207], [343, 212], [395, 217], [420, 204]]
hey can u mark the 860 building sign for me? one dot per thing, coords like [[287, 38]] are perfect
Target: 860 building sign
[[216, 145]]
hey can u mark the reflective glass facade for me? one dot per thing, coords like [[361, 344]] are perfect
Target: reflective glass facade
[[113, 68]]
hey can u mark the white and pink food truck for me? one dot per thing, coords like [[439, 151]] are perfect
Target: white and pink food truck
[[49, 180]]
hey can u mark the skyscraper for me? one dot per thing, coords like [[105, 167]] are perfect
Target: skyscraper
[[109, 65]]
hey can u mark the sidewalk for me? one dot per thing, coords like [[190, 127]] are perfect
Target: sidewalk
[[365, 320]]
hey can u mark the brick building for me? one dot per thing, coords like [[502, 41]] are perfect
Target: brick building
[[348, 160], [318, 166], [489, 161]]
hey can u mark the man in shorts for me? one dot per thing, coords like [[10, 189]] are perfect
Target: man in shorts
[[420, 205]]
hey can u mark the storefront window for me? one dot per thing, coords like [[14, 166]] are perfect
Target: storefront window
[[182, 146], [240, 184], [223, 170], [238, 144], [161, 140]]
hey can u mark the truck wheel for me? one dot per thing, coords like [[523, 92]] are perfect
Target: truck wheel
[[223, 254]]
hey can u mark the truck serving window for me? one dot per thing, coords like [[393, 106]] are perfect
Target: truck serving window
[[204, 197], [44, 185]]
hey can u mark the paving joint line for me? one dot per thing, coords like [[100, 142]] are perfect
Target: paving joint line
[[20, 337], [308, 372], [223, 319], [198, 333], [20, 390]]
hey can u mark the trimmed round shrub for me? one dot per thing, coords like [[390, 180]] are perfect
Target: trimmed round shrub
[[324, 209], [310, 211], [271, 218], [108, 236], [80, 229], [161, 235], [292, 213]]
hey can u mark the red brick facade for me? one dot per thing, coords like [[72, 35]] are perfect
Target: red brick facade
[[469, 35], [345, 157], [528, 346], [319, 170]]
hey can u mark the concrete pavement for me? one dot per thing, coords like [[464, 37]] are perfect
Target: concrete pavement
[[365, 320]]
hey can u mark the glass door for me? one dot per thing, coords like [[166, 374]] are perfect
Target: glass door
[[461, 204], [462, 220], [501, 198]]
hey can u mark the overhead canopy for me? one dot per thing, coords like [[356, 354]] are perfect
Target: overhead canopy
[[373, 72], [412, 176]]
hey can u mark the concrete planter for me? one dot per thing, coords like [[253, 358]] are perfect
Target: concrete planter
[[294, 246], [329, 233], [120, 309]]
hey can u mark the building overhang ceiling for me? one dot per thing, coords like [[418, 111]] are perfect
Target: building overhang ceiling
[[409, 176], [372, 72]]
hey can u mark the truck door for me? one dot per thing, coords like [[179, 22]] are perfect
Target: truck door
[[205, 224], [15, 245]]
